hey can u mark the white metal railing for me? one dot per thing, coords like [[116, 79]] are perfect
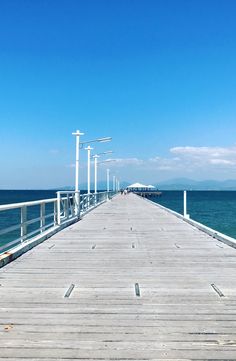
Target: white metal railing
[[30, 219], [68, 205]]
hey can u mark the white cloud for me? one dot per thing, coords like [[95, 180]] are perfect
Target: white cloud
[[155, 159], [205, 151], [222, 161], [122, 162], [202, 156], [182, 161]]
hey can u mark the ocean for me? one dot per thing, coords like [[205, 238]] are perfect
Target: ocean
[[215, 209], [12, 217]]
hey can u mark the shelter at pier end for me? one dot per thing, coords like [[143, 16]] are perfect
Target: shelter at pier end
[[143, 190]]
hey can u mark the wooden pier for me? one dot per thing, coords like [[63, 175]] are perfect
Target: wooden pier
[[148, 194], [128, 282]]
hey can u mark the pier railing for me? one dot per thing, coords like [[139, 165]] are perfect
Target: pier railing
[[27, 220]]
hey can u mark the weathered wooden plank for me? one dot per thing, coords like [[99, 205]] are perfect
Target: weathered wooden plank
[[177, 316]]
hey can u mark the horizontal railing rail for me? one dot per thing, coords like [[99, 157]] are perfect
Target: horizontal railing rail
[[27, 220]]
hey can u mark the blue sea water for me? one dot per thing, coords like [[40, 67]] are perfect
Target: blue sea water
[[13, 217], [215, 209]]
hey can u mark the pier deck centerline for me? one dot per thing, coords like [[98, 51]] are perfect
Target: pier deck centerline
[[129, 281]]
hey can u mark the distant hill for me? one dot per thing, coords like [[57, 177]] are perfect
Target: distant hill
[[190, 184], [102, 185], [173, 184]]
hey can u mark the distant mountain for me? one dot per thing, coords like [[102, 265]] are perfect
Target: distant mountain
[[66, 188], [172, 184], [190, 184], [102, 185]]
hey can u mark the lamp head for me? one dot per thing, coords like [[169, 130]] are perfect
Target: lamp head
[[105, 139], [77, 133]]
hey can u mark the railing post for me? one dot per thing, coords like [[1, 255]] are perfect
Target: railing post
[[72, 205], [82, 203], [88, 200], [23, 228], [55, 213], [185, 205], [77, 203], [84, 200], [59, 208], [67, 204], [42, 217]]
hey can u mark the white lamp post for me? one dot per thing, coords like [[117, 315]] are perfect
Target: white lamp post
[[89, 157], [77, 147], [108, 180], [113, 185], [77, 134], [80, 145], [108, 174], [100, 140], [96, 156]]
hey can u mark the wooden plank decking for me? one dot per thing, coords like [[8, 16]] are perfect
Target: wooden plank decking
[[178, 316]]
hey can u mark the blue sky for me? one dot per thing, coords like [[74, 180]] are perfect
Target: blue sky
[[157, 76]]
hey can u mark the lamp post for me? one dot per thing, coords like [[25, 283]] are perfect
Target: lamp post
[[77, 147], [96, 156], [108, 180], [80, 145], [108, 174], [100, 140], [89, 157], [114, 182]]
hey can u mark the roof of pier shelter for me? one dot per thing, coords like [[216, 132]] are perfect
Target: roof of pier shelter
[[150, 186], [137, 185]]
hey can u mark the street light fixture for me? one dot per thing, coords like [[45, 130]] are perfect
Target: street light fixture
[[79, 145], [100, 140], [108, 152], [96, 156], [108, 180], [89, 157], [105, 139], [108, 173]]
